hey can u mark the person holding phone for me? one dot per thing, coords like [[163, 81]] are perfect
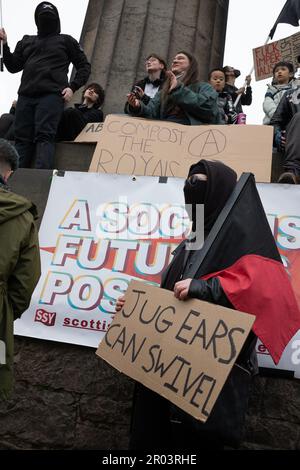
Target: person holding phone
[[183, 98], [147, 88]]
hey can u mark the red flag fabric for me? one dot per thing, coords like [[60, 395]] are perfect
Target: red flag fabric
[[251, 284], [241, 251]]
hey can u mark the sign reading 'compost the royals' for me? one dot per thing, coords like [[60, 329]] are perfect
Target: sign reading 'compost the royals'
[[183, 350], [146, 147]]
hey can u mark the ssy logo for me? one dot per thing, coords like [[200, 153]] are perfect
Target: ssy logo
[[47, 318]]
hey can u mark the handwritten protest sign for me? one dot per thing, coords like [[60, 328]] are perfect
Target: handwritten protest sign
[[159, 148], [182, 350], [90, 133], [265, 57]]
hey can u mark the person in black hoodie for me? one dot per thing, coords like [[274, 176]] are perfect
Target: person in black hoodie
[[75, 119], [157, 423], [44, 59]]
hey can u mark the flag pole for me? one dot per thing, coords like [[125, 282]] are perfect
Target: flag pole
[[1, 42], [250, 73]]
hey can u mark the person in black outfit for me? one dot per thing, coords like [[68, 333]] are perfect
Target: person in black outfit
[[44, 59], [147, 88], [246, 99], [286, 122], [75, 119], [157, 423]]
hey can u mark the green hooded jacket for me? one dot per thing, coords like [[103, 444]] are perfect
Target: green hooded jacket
[[19, 274]]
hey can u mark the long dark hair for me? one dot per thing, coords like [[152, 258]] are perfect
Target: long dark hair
[[190, 76], [192, 73]]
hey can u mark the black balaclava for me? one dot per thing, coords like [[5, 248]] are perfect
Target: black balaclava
[[213, 193], [47, 19]]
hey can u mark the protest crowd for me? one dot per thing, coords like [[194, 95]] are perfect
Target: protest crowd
[[41, 116]]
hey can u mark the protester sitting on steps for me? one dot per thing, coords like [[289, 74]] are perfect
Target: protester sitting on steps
[[75, 119], [147, 88], [7, 123], [183, 98], [283, 76], [228, 114]]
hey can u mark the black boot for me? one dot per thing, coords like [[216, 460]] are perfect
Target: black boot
[[44, 155]]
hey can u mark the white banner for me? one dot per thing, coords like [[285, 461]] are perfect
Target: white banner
[[98, 232], [88, 259], [282, 206]]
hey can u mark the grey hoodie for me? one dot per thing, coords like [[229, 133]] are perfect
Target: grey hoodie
[[272, 99]]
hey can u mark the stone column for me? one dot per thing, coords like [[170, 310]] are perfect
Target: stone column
[[117, 35]]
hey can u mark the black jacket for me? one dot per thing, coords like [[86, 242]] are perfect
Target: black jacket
[[45, 63], [211, 291], [90, 114], [288, 106], [246, 98], [142, 84]]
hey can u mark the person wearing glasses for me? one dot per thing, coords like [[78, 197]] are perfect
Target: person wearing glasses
[[183, 99], [147, 88]]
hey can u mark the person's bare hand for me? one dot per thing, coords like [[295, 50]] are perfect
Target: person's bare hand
[[120, 303], [172, 80], [133, 101], [3, 35], [248, 80], [181, 289], [67, 94], [241, 90]]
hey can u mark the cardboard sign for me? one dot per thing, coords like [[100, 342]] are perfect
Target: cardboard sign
[[265, 57], [158, 148], [183, 350], [90, 133]]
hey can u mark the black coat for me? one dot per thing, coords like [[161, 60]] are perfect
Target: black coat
[[45, 64]]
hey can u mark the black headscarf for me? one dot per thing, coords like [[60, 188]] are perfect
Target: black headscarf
[[47, 19], [213, 193]]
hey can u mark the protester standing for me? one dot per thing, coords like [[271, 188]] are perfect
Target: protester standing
[[19, 260], [45, 60]]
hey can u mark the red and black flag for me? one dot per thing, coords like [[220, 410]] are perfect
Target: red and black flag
[[241, 251], [289, 14]]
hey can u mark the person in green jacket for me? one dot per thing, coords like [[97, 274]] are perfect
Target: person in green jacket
[[183, 99], [19, 262]]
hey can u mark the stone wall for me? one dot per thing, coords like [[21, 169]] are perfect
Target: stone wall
[[118, 35]]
